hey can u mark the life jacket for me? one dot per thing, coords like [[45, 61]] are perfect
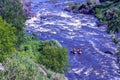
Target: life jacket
[[74, 50], [79, 51]]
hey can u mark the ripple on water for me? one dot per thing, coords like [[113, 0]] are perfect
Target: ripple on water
[[80, 31]]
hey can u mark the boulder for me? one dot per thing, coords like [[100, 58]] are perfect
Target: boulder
[[108, 52], [26, 6], [85, 9], [99, 24], [2, 67]]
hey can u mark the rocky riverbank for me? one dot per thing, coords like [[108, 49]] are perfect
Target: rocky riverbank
[[85, 8], [107, 12], [26, 6]]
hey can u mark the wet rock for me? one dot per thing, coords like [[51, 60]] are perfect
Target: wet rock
[[99, 24], [102, 0], [48, 16], [26, 6], [2, 67], [82, 6], [108, 52], [85, 9]]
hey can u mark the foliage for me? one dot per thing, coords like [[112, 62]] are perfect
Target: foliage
[[31, 46], [50, 53], [20, 67], [11, 11], [53, 75], [54, 58], [118, 55], [109, 12], [118, 58], [113, 18], [7, 38], [52, 43], [98, 13], [115, 40]]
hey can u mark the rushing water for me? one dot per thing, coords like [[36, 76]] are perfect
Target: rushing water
[[79, 31]]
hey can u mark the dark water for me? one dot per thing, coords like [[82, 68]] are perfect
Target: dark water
[[79, 31]]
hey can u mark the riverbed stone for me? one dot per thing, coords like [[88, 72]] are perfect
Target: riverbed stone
[[2, 67]]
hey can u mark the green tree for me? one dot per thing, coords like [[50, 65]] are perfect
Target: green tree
[[49, 53], [54, 58], [7, 38], [12, 12]]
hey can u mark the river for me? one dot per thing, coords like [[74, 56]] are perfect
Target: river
[[79, 31]]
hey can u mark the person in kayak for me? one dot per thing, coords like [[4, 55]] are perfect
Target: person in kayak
[[74, 51], [79, 51]]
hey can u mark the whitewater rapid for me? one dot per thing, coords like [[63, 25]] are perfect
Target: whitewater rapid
[[79, 31]]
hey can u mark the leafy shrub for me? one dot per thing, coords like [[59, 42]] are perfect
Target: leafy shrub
[[98, 13], [54, 58], [12, 12], [31, 46], [7, 38], [112, 17], [109, 13], [118, 55], [49, 53], [20, 67], [51, 43]]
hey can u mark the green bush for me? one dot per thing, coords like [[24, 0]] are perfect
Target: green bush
[[7, 38], [12, 12], [51, 43], [20, 67], [118, 55], [49, 53], [31, 47], [99, 14], [54, 58], [109, 13]]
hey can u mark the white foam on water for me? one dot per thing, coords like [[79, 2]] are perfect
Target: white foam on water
[[91, 25], [110, 46], [50, 23], [76, 23], [116, 78], [71, 33], [96, 73], [114, 65], [71, 30], [91, 33], [103, 73], [41, 29], [53, 32], [63, 14], [83, 24], [88, 71], [102, 53], [78, 71], [70, 37]]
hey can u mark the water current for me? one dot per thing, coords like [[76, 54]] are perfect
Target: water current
[[79, 31]]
